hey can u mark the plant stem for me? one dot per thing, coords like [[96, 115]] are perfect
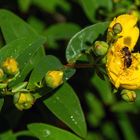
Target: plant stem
[[81, 65]]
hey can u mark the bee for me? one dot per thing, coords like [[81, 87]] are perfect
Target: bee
[[127, 57]]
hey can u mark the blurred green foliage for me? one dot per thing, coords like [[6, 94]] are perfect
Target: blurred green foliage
[[66, 28]]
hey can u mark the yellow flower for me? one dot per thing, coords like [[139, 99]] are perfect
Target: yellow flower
[[10, 66], [130, 32], [123, 67], [54, 78]]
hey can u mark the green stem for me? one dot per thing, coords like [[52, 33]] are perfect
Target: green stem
[[82, 65]]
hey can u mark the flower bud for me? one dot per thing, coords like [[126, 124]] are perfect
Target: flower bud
[[128, 95], [100, 48], [117, 28], [10, 66], [54, 78], [23, 100], [1, 74]]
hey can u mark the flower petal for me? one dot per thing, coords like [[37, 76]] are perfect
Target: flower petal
[[129, 34]]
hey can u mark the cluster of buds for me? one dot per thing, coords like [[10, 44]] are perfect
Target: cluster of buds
[[23, 97], [9, 70]]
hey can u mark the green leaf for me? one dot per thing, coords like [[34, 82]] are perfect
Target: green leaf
[[109, 131], [29, 58], [95, 105], [15, 48], [45, 64], [126, 127], [96, 109], [68, 73], [60, 31], [80, 41], [13, 27], [124, 107], [24, 133], [66, 106], [24, 5], [92, 6], [1, 103], [7, 136], [94, 136], [104, 89], [26, 52], [37, 24], [44, 131], [51, 6]]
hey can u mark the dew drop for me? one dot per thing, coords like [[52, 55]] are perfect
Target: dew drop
[[46, 133], [66, 78], [71, 117], [30, 44], [75, 122]]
